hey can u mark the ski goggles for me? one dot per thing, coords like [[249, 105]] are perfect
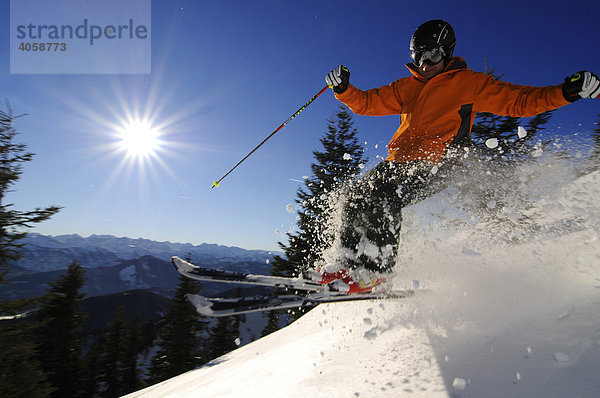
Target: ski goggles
[[430, 57]]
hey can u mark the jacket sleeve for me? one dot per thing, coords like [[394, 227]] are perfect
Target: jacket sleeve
[[506, 99], [382, 101]]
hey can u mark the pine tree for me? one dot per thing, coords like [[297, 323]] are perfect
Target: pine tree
[[179, 338], [222, 336], [489, 125], [14, 222], [130, 348], [21, 374], [110, 377], [272, 323], [20, 370], [91, 369], [341, 158], [238, 320], [119, 372], [59, 334]]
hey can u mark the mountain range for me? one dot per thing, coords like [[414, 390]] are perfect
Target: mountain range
[[51, 253], [114, 265]]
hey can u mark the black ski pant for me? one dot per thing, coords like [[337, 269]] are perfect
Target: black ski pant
[[372, 213]]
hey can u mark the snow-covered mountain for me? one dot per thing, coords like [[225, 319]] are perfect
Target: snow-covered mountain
[[507, 307], [51, 253]]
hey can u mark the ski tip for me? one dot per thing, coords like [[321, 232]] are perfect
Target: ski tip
[[181, 265], [175, 260], [202, 305]]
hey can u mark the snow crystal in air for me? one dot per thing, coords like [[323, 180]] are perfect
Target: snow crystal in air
[[289, 207], [370, 334], [561, 357], [492, 143], [459, 383], [367, 247], [521, 132], [566, 312], [537, 153]]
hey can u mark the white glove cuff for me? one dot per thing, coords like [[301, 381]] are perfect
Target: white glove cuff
[[590, 87]]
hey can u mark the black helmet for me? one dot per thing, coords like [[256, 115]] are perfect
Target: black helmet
[[432, 41]]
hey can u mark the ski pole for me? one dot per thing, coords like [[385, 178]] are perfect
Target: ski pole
[[217, 182]]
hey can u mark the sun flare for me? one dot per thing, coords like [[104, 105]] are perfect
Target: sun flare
[[139, 138]]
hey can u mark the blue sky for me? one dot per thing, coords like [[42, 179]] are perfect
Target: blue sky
[[224, 75]]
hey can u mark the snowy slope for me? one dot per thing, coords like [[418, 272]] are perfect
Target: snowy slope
[[507, 312], [346, 349]]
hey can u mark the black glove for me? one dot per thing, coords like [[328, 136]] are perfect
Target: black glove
[[338, 79], [581, 85]]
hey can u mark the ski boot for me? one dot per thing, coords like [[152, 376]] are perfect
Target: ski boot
[[359, 280]]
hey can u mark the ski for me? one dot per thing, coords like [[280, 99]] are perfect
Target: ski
[[190, 270], [219, 307], [315, 292]]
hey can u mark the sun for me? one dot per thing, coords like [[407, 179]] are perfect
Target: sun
[[139, 138], [138, 150]]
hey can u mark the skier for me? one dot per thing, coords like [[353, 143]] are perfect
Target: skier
[[437, 105]]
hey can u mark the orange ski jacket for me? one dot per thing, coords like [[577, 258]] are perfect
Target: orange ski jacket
[[439, 112]]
